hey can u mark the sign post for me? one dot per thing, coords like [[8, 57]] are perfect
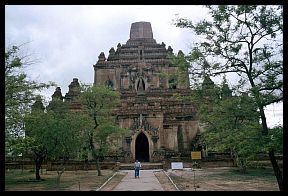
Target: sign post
[[176, 165], [195, 155]]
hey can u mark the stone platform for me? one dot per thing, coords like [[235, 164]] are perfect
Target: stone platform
[[145, 166]]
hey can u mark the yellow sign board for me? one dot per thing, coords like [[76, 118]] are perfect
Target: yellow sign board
[[195, 155]]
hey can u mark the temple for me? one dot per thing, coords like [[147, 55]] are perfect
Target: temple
[[159, 124]]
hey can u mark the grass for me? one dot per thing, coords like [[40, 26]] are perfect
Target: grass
[[235, 174], [19, 180]]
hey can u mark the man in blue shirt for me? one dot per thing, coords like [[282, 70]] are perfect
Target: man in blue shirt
[[137, 166]]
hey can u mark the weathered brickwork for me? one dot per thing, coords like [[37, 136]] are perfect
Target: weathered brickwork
[[157, 121], [148, 107]]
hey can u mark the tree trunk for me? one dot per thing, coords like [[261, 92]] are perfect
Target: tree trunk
[[263, 121], [96, 157], [59, 176], [275, 166], [276, 169], [98, 166], [38, 164], [60, 171]]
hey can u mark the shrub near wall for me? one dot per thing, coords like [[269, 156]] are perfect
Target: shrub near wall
[[80, 165], [52, 166]]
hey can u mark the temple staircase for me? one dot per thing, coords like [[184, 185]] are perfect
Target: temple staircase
[[145, 166]]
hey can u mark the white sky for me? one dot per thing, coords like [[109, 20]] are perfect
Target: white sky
[[67, 40]]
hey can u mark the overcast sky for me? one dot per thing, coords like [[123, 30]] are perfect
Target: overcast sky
[[66, 40]]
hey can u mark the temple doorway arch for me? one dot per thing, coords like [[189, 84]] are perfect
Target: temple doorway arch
[[142, 148], [141, 85]]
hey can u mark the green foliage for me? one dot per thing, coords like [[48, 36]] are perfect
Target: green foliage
[[246, 40], [100, 102], [181, 75], [51, 134], [275, 139], [231, 123], [55, 135], [19, 94]]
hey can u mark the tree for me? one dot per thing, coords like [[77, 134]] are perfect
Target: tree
[[246, 40], [19, 93], [53, 135], [231, 122], [35, 134], [69, 135], [99, 103]]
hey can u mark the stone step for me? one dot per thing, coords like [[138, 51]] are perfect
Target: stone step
[[145, 166]]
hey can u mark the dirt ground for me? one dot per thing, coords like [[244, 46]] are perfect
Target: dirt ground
[[211, 179], [206, 179], [109, 186], [70, 181], [218, 179], [166, 184]]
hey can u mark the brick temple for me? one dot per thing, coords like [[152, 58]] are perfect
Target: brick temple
[[159, 124]]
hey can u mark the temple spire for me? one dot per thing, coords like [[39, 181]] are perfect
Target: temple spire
[[141, 30]]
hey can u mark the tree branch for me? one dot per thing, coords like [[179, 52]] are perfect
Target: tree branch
[[272, 88], [272, 101], [265, 35], [221, 72]]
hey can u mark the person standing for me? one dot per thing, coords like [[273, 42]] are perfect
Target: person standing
[[137, 166]]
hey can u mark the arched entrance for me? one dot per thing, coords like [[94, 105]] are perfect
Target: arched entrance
[[142, 148], [141, 85]]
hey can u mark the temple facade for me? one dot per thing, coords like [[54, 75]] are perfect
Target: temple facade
[[158, 123], [156, 120]]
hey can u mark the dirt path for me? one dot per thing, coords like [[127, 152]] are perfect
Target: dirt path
[[146, 182]]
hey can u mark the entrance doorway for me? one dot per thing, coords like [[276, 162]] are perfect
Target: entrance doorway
[[142, 148]]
